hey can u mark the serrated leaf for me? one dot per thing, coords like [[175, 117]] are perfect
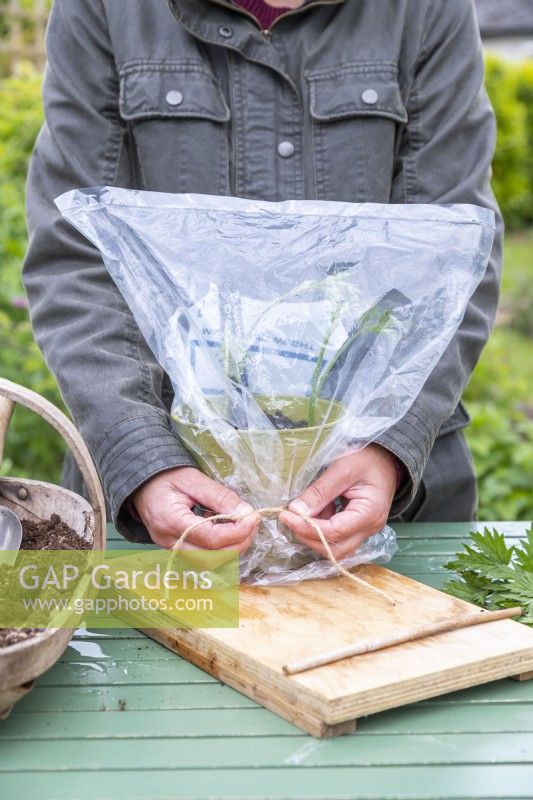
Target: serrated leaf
[[482, 564], [493, 575], [459, 589], [492, 545], [476, 581], [504, 600], [521, 586], [524, 552], [472, 588], [470, 559], [527, 619]]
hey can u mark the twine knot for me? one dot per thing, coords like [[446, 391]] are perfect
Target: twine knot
[[274, 511]]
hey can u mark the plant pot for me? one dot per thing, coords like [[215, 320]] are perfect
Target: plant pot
[[298, 444], [24, 661]]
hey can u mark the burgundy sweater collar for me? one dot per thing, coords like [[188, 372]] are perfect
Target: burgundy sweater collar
[[264, 14]]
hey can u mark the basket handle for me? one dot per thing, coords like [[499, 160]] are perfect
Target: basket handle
[[11, 393]]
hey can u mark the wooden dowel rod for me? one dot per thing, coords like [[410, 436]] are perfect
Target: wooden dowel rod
[[381, 643]]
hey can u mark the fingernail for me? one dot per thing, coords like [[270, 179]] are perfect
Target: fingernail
[[300, 507]]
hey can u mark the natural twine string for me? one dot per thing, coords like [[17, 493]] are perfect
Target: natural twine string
[[273, 511]]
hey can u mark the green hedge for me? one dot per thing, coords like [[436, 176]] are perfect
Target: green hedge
[[501, 435], [510, 87], [29, 37], [34, 449]]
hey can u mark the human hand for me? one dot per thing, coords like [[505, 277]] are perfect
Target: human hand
[[366, 481], [165, 502]]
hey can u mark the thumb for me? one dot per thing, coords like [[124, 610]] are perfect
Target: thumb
[[212, 495], [330, 485]]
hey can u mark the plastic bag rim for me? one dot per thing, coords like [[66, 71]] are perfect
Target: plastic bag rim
[[468, 213]]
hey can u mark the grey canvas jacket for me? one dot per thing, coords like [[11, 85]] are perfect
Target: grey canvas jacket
[[361, 100]]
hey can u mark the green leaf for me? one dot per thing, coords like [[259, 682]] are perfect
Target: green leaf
[[492, 545], [524, 553], [459, 589], [521, 586], [493, 574], [477, 587], [482, 564], [527, 619]]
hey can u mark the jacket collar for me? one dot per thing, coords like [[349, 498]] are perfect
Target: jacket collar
[[211, 21], [211, 13], [216, 22]]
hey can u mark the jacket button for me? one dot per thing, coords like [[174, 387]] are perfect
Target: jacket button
[[174, 98], [370, 97], [286, 149], [225, 31]]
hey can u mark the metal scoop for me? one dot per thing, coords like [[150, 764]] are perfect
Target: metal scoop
[[10, 535]]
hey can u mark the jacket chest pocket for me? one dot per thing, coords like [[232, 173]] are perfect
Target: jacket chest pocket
[[178, 119], [356, 111]]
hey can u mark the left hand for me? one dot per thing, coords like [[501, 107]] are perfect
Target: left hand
[[366, 481]]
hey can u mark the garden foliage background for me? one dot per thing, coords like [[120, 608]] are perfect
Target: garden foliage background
[[499, 395]]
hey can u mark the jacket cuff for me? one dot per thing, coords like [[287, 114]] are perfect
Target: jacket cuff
[[410, 440], [130, 453]]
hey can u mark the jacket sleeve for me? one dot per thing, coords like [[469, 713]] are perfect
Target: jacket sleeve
[[445, 156], [108, 377]]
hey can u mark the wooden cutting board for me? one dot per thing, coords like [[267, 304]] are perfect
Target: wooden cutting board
[[279, 625]]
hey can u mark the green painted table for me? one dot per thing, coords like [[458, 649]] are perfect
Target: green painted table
[[121, 718]]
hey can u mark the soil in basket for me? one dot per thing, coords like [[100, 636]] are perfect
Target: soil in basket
[[15, 635], [52, 534]]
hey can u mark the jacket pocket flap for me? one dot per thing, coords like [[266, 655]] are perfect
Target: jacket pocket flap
[[170, 91], [356, 90]]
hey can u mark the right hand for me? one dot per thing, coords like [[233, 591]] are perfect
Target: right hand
[[165, 502]]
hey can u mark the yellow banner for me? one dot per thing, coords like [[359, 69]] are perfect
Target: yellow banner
[[118, 588]]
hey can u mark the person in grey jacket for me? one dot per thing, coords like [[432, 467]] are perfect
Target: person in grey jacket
[[351, 100]]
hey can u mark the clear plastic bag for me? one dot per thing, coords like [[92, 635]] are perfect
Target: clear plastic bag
[[292, 332]]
